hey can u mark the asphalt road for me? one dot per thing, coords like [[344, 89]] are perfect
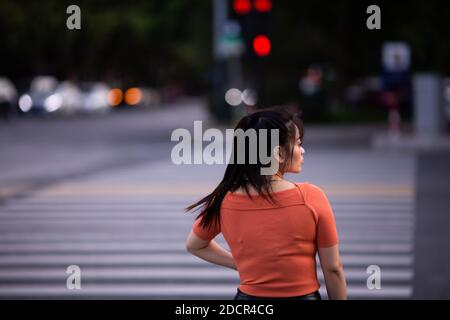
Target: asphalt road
[[103, 194], [39, 151]]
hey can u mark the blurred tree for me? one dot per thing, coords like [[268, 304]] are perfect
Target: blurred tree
[[165, 42], [157, 42]]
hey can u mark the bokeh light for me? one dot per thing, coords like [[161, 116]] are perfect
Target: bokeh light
[[115, 97], [233, 97], [133, 96]]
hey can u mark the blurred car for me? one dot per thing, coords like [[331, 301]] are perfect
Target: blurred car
[[447, 99], [150, 97], [66, 98], [8, 97], [42, 97], [133, 97], [94, 97], [72, 98]]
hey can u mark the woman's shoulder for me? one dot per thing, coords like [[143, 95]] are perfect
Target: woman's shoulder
[[311, 190]]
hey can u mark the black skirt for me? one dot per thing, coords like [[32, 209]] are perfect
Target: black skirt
[[311, 296]]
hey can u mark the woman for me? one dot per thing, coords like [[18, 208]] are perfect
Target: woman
[[274, 227]]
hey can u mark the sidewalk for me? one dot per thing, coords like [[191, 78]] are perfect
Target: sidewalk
[[432, 260], [410, 142]]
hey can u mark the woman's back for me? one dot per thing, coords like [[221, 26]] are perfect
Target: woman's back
[[274, 246]]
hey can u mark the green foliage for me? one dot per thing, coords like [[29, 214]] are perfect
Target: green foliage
[[132, 41], [161, 42]]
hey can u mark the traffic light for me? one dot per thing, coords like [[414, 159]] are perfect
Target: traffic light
[[261, 45], [242, 7], [262, 5], [254, 18]]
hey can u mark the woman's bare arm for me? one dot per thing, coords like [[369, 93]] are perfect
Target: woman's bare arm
[[209, 251], [333, 273]]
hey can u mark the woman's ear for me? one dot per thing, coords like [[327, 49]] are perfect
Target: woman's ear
[[277, 154]]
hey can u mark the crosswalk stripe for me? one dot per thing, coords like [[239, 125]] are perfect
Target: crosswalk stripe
[[182, 258], [173, 291], [132, 190], [155, 275], [76, 224], [124, 249], [132, 236]]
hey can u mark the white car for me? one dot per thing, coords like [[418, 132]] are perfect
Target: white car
[[42, 97], [8, 97], [72, 98], [95, 97], [447, 98]]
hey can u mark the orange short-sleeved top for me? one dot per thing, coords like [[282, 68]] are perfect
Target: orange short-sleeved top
[[274, 246]]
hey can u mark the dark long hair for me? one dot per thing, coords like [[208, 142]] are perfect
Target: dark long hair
[[248, 174]]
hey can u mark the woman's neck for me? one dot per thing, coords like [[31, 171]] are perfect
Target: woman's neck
[[277, 185], [277, 177]]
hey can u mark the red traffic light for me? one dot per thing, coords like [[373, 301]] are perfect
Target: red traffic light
[[242, 6], [262, 45], [263, 5]]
